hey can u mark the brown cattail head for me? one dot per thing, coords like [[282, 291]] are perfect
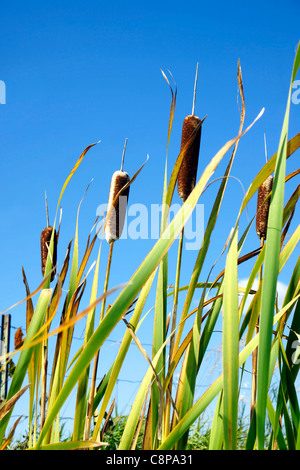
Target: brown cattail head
[[188, 171], [263, 206], [18, 338], [116, 211], [45, 245]]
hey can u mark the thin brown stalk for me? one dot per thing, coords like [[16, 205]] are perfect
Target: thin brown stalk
[[138, 430], [172, 338], [156, 374], [107, 419], [96, 360]]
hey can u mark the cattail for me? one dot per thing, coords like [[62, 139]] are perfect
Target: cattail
[[45, 244], [188, 171], [263, 206], [18, 338], [116, 209]]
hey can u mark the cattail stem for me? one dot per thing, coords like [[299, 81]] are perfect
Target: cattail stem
[[263, 205], [195, 90], [106, 278], [172, 338], [266, 153], [96, 360], [113, 232], [47, 211], [124, 149], [176, 290], [255, 352]]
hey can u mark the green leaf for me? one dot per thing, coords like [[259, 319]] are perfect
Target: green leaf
[[271, 269], [81, 400], [230, 346], [71, 445]]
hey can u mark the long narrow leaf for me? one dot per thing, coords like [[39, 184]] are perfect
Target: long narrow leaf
[[271, 268], [230, 346]]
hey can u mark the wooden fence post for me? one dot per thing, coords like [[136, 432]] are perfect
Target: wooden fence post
[[4, 349]]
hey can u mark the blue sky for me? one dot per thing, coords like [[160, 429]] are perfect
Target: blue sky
[[79, 72]]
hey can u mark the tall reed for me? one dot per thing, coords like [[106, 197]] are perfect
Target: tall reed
[[164, 410]]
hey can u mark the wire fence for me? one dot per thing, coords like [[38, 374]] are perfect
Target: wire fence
[[124, 405]]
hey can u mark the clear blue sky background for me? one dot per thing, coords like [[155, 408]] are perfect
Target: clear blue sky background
[[79, 72]]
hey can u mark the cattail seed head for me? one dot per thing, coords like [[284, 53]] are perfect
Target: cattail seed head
[[18, 338], [263, 206], [45, 244], [116, 211], [188, 171]]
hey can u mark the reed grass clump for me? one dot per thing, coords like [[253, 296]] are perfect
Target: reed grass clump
[[166, 406]]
